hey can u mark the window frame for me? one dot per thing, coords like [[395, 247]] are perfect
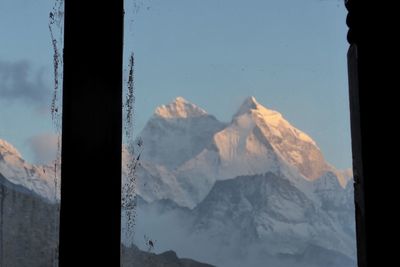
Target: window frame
[[93, 82]]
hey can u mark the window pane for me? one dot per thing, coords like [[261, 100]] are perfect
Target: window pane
[[30, 131], [240, 151]]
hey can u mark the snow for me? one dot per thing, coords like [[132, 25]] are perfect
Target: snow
[[257, 212], [179, 108], [271, 118], [186, 151], [6, 147], [39, 179], [194, 150], [257, 140], [256, 183], [179, 131], [295, 209]]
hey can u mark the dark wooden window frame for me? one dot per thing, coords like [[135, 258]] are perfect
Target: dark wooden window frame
[[90, 213], [92, 133]]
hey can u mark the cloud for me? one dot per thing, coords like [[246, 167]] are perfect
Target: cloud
[[43, 147], [18, 81]]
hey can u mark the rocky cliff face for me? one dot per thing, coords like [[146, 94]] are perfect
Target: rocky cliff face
[[29, 234], [132, 256], [28, 227]]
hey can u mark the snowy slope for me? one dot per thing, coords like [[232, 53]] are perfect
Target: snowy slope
[[337, 202], [253, 186], [174, 134], [177, 132], [39, 179], [271, 209], [257, 219], [154, 181], [257, 140], [186, 151], [258, 187]]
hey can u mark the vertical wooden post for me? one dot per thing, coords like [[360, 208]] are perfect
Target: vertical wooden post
[[357, 131], [358, 169], [370, 109], [91, 134]]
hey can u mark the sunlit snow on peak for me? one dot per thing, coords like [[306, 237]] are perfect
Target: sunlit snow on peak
[[7, 147], [250, 105], [179, 108]]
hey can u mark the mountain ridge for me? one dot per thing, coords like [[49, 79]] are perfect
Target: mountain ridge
[[228, 191]]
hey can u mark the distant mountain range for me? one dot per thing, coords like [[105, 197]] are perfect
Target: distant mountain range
[[252, 191], [29, 233]]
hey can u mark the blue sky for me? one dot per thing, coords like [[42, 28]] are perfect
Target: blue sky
[[25, 55], [289, 54]]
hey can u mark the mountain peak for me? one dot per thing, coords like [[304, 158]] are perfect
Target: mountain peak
[[250, 104], [180, 99], [7, 147], [179, 108]]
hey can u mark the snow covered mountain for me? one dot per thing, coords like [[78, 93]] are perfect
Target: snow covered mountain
[[195, 150], [259, 140], [258, 189], [271, 210], [186, 151], [177, 132], [29, 219], [231, 194], [255, 220], [39, 179]]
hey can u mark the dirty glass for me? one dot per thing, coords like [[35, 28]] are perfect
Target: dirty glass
[[30, 131], [237, 140]]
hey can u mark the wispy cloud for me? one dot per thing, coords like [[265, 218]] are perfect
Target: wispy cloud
[[43, 147], [19, 81]]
